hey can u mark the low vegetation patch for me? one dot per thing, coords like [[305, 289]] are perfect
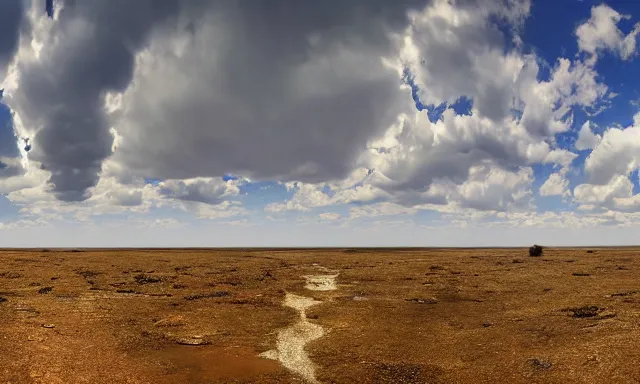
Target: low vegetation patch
[[584, 311], [207, 295], [146, 279]]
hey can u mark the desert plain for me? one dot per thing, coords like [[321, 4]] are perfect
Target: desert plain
[[202, 316]]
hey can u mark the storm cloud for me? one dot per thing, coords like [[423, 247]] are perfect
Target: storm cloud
[[89, 50]]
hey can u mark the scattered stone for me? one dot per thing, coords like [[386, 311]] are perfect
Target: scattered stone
[[48, 326], [517, 261], [622, 268], [593, 358], [584, 312], [193, 340], [313, 317], [581, 274], [54, 278], [429, 300], [34, 338], [45, 290], [179, 286], [487, 324], [547, 289], [145, 279], [360, 298], [539, 364], [589, 251], [207, 295], [622, 294], [535, 251], [2, 299]]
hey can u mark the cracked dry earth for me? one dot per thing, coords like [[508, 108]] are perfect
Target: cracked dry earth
[[358, 316]]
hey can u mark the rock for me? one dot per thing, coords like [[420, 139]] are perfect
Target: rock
[[193, 340], [45, 290], [48, 326], [2, 299], [593, 358], [539, 364]]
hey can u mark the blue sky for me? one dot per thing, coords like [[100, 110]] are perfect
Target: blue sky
[[516, 118]]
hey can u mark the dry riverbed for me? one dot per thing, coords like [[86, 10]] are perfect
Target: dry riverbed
[[319, 316]]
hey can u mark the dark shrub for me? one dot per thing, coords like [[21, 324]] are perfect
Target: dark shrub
[[535, 251]]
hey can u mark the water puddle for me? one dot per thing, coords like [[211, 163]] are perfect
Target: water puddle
[[291, 341]]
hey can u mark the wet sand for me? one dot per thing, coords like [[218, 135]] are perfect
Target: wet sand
[[358, 316]]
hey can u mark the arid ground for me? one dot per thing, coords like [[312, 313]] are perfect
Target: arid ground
[[393, 316]]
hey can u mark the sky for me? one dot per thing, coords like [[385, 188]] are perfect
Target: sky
[[161, 123]]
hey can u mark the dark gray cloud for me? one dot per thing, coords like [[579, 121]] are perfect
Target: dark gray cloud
[[268, 89], [256, 94], [11, 19], [62, 93]]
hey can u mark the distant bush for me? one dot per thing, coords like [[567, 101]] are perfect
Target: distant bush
[[535, 251]]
